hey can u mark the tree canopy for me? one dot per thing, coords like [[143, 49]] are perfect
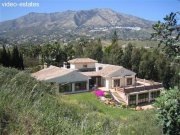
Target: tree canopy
[[168, 33]]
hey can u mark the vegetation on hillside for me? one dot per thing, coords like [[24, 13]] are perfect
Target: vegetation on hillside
[[150, 63], [11, 58], [169, 111], [31, 107], [169, 101]]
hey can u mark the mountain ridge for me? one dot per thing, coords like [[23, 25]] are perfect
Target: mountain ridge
[[90, 23]]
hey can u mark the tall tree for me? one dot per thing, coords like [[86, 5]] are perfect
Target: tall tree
[[168, 33], [79, 48], [17, 59], [0, 56], [69, 51], [169, 101], [94, 50], [5, 57], [135, 59], [116, 55], [21, 63], [98, 52], [114, 39], [9, 58], [147, 66], [126, 58]]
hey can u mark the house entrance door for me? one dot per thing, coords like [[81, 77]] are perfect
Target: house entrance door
[[117, 83]]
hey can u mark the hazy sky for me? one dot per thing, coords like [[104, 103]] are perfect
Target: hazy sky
[[148, 9]]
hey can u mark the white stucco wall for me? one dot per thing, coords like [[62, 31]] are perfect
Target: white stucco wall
[[79, 66], [107, 84], [133, 80], [123, 81], [72, 66]]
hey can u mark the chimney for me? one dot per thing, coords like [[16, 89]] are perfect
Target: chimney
[[45, 65], [65, 65]]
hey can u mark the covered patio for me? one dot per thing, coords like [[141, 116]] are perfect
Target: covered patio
[[68, 81]]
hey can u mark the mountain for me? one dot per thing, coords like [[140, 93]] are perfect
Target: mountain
[[68, 25]]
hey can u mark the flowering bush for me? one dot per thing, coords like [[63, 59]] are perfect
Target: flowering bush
[[99, 93]]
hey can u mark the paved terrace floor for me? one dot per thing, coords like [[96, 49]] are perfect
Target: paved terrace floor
[[140, 85]]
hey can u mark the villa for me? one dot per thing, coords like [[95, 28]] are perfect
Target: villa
[[83, 74]]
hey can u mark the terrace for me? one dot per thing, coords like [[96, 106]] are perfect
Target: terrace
[[143, 91]]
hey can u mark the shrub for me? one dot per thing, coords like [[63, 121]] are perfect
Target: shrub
[[99, 93], [169, 111]]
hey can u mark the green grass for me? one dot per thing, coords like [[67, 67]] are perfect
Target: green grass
[[89, 98], [28, 106]]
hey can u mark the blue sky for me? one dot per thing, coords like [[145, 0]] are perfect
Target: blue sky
[[148, 9]]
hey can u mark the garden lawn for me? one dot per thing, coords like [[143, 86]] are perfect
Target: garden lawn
[[89, 99]]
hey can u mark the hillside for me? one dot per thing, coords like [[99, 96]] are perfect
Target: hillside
[[68, 25], [31, 107]]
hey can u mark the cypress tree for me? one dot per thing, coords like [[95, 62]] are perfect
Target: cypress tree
[[21, 62], [9, 58], [0, 57], [17, 59], [114, 38], [4, 57]]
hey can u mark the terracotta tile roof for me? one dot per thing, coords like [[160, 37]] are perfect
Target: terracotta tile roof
[[50, 72], [122, 72], [106, 71], [109, 71], [91, 74], [82, 60]]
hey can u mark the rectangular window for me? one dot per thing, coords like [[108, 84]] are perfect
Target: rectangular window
[[143, 98], [129, 81], [65, 87], [84, 66], [79, 86], [132, 99], [116, 82]]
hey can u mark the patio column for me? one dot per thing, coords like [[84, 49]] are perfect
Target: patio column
[[136, 99], [73, 87], [87, 85], [125, 84], [149, 99], [96, 81], [127, 99]]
